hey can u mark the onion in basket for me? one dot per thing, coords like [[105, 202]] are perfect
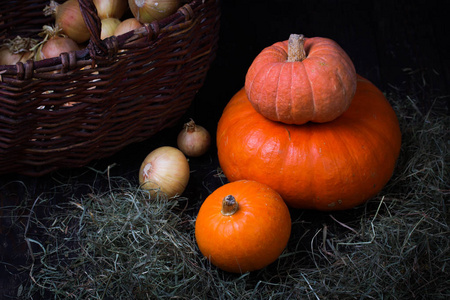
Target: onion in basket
[[147, 11], [109, 25], [54, 43], [110, 8], [69, 18], [15, 50], [127, 25]]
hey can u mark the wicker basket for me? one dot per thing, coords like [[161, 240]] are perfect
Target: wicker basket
[[89, 104]]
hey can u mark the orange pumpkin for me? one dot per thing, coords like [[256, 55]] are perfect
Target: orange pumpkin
[[328, 166], [243, 226], [301, 80]]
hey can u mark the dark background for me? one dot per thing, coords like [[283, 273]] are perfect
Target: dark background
[[398, 45]]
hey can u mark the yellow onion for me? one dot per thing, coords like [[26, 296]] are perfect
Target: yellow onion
[[17, 49], [110, 8], [127, 25], [54, 43], [109, 25], [147, 11], [69, 18], [166, 170]]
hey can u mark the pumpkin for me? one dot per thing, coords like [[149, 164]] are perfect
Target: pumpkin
[[301, 80], [325, 166], [243, 226]]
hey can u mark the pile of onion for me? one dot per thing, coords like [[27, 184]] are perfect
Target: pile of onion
[[166, 170], [194, 140], [147, 11], [16, 50]]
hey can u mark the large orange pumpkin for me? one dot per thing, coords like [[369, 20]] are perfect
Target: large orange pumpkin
[[243, 226], [327, 166], [301, 80]]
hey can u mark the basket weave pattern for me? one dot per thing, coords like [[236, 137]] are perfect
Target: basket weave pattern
[[89, 104]]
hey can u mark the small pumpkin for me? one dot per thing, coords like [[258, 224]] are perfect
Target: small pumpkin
[[243, 226], [301, 80], [325, 166]]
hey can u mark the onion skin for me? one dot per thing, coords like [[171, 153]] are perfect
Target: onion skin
[[194, 140], [109, 25], [17, 50], [9, 58], [166, 170], [55, 46], [147, 11], [110, 8], [127, 25], [69, 18]]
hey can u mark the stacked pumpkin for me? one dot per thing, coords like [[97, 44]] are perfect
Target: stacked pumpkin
[[307, 126]]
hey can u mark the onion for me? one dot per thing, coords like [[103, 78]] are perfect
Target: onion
[[193, 140], [110, 8], [109, 25], [147, 11], [127, 25], [54, 43], [17, 49], [165, 169], [69, 18]]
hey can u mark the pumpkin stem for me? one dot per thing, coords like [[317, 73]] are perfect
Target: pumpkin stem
[[229, 206], [296, 48]]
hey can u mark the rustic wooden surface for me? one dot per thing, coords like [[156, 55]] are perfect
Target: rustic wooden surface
[[398, 45]]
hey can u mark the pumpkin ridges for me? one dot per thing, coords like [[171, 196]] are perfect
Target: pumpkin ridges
[[313, 109], [361, 166], [282, 82], [321, 180], [391, 138], [305, 180], [300, 74], [286, 110], [322, 48], [325, 49], [347, 73], [329, 104], [312, 101], [262, 73], [273, 54], [368, 136], [275, 51], [274, 72], [242, 242]]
